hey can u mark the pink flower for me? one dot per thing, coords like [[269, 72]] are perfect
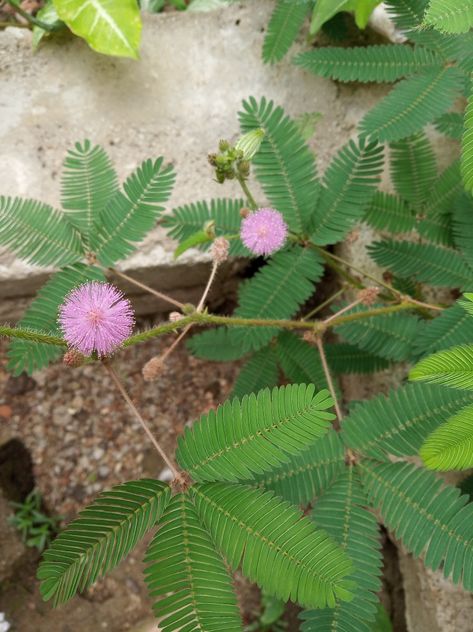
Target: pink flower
[[96, 317], [264, 231]]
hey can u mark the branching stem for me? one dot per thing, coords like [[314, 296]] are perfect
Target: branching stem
[[151, 290], [328, 377], [246, 191], [175, 472]]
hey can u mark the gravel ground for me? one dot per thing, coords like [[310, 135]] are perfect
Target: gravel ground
[[79, 431]]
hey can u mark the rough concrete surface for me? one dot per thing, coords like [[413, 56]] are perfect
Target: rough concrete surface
[[176, 101]]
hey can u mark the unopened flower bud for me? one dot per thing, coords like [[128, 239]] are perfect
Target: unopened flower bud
[[244, 212], [223, 145], [212, 158], [250, 143], [368, 295], [73, 358], [174, 317], [219, 249], [152, 369], [244, 168]]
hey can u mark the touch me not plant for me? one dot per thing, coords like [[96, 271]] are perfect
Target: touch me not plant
[[242, 472]]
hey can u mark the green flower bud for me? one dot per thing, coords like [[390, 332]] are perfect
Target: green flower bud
[[250, 143]]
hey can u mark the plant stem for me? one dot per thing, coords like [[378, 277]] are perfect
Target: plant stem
[[213, 273], [328, 377], [34, 336], [246, 191], [147, 288], [30, 18], [320, 307], [175, 472], [347, 308]]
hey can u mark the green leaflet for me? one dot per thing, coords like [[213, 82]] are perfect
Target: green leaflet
[[284, 164], [42, 314], [218, 344], [88, 181], [222, 215], [413, 168], [187, 576], [261, 371], [431, 518], [131, 214], [412, 104], [274, 543], [450, 16], [284, 25], [38, 233], [385, 63], [102, 535], [308, 474], [299, 360], [445, 191], [389, 212], [426, 262], [450, 124], [467, 144], [341, 512], [407, 14], [452, 367], [254, 435], [450, 447], [399, 422], [453, 327], [463, 229], [390, 336], [344, 359], [349, 184], [107, 26]]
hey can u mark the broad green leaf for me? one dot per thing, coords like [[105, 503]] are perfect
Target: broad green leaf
[[48, 15], [109, 26]]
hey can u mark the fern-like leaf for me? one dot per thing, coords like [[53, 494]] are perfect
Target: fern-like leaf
[[450, 16], [261, 371], [254, 435], [452, 328], [220, 345], [223, 215], [444, 191], [300, 361], [88, 182], [341, 512], [390, 336], [452, 367], [467, 146], [283, 27], [431, 519], [41, 315], [350, 182], [413, 168], [367, 64], [131, 214], [305, 476], [284, 165], [399, 422], [275, 544], [412, 104], [426, 262], [407, 14], [344, 359], [37, 233], [450, 447], [450, 124], [389, 212], [187, 576], [463, 227], [102, 535]]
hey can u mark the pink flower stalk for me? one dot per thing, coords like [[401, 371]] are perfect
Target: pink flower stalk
[[96, 317], [264, 231]]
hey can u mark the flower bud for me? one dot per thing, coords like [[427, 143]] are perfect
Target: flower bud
[[250, 143], [152, 369], [174, 317], [368, 295], [219, 249], [73, 358]]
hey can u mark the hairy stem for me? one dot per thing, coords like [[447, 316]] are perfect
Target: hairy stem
[[34, 336], [175, 472], [328, 377], [147, 288], [246, 191], [347, 308], [206, 291], [326, 303]]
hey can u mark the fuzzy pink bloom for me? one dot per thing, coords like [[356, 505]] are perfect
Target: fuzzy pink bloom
[[264, 231], [96, 317]]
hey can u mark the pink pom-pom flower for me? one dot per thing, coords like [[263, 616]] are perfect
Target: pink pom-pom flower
[[264, 231], [96, 317]]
